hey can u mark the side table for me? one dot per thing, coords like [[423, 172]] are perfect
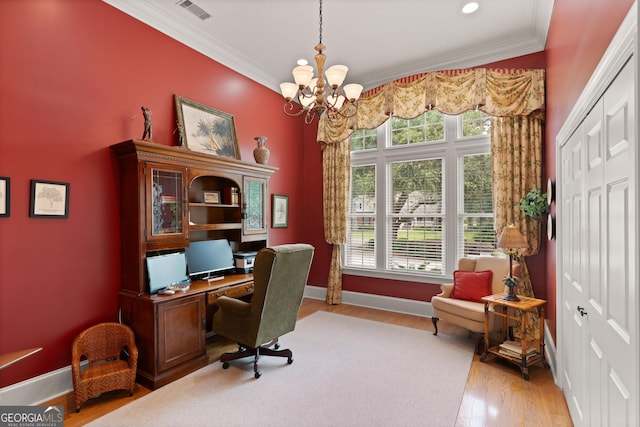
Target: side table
[[519, 311]]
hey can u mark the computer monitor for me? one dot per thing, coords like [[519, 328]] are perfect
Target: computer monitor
[[167, 270], [209, 258]]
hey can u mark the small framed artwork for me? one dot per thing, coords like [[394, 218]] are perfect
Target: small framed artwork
[[206, 129], [280, 215], [5, 196], [212, 197], [49, 199]]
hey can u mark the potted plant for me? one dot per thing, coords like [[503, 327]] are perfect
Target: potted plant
[[535, 204]]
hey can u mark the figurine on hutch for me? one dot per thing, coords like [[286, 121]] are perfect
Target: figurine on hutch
[[146, 135]]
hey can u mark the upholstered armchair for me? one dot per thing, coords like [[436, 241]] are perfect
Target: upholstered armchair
[[459, 302], [280, 275], [112, 355]]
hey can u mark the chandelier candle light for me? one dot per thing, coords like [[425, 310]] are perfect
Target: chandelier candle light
[[310, 91]]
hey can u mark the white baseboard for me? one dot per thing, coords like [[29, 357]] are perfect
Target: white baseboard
[[37, 390], [397, 305], [550, 352]]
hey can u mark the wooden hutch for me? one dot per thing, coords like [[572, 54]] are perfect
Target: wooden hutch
[[169, 197]]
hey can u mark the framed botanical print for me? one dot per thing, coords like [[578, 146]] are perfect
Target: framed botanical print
[[49, 199], [280, 215]]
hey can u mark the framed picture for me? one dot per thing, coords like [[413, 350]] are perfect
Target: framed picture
[[280, 215], [5, 196], [206, 129], [49, 199], [211, 197]]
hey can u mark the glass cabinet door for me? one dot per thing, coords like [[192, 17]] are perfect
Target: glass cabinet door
[[255, 209], [166, 207]]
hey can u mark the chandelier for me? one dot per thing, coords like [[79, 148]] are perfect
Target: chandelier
[[317, 96]]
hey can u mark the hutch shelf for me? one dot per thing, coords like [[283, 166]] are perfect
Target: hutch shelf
[[169, 197]]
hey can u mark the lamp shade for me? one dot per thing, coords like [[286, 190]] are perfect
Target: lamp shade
[[307, 101], [352, 91], [336, 75], [511, 238], [303, 74], [288, 90]]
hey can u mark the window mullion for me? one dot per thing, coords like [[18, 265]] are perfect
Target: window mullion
[[382, 189]]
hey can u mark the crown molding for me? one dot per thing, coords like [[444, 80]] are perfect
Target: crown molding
[[180, 27]]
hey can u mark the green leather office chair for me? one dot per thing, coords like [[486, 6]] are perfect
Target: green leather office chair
[[280, 275]]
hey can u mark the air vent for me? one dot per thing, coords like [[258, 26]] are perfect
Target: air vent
[[195, 9]]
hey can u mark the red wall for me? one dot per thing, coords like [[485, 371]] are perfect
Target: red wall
[[580, 33], [73, 77]]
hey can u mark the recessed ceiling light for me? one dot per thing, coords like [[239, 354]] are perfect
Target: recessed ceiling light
[[470, 7], [302, 62]]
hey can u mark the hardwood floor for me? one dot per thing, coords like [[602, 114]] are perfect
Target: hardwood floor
[[495, 394]]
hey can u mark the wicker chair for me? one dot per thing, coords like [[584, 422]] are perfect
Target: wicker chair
[[102, 346]]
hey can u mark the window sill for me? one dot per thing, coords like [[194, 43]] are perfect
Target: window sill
[[404, 277]]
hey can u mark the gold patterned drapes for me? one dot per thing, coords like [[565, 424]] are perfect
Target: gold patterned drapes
[[498, 92], [336, 171], [336, 177], [516, 155]]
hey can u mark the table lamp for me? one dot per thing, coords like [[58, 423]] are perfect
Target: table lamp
[[510, 241]]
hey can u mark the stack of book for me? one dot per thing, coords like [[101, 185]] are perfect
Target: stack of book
[[514, 349]]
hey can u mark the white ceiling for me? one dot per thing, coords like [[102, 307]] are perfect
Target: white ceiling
[[379, 40]]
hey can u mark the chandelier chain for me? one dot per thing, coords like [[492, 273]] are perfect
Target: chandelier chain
[[320, 42]]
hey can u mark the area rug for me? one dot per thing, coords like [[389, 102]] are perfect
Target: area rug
[[346, 372]]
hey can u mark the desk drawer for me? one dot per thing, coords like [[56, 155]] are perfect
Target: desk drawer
[[234, 291]]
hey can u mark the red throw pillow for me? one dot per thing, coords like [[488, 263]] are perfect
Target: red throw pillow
[[471, 285]]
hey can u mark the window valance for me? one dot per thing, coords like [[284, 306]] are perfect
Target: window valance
[[497, 92]]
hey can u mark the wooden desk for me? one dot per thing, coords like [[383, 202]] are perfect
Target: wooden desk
[[520, 310], [11, 358], [171, 330], [232, 285]]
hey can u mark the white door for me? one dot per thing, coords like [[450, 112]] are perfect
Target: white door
[[599, 226], [575, 331]]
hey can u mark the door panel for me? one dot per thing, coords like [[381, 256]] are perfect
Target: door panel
[[598, 368], [620, 319], [573, 291], [598, 267]]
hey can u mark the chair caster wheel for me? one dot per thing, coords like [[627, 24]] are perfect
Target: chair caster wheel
[[258, 374], [289, 360], [225, 365]]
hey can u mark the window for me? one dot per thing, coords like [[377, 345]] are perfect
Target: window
[[420, 196], [362, 216]]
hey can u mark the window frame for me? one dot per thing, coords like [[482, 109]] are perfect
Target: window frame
[[451, 149]]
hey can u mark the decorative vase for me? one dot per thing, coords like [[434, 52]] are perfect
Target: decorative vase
[[261, 153]]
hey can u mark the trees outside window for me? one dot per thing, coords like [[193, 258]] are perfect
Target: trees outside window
[[420, 196]]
